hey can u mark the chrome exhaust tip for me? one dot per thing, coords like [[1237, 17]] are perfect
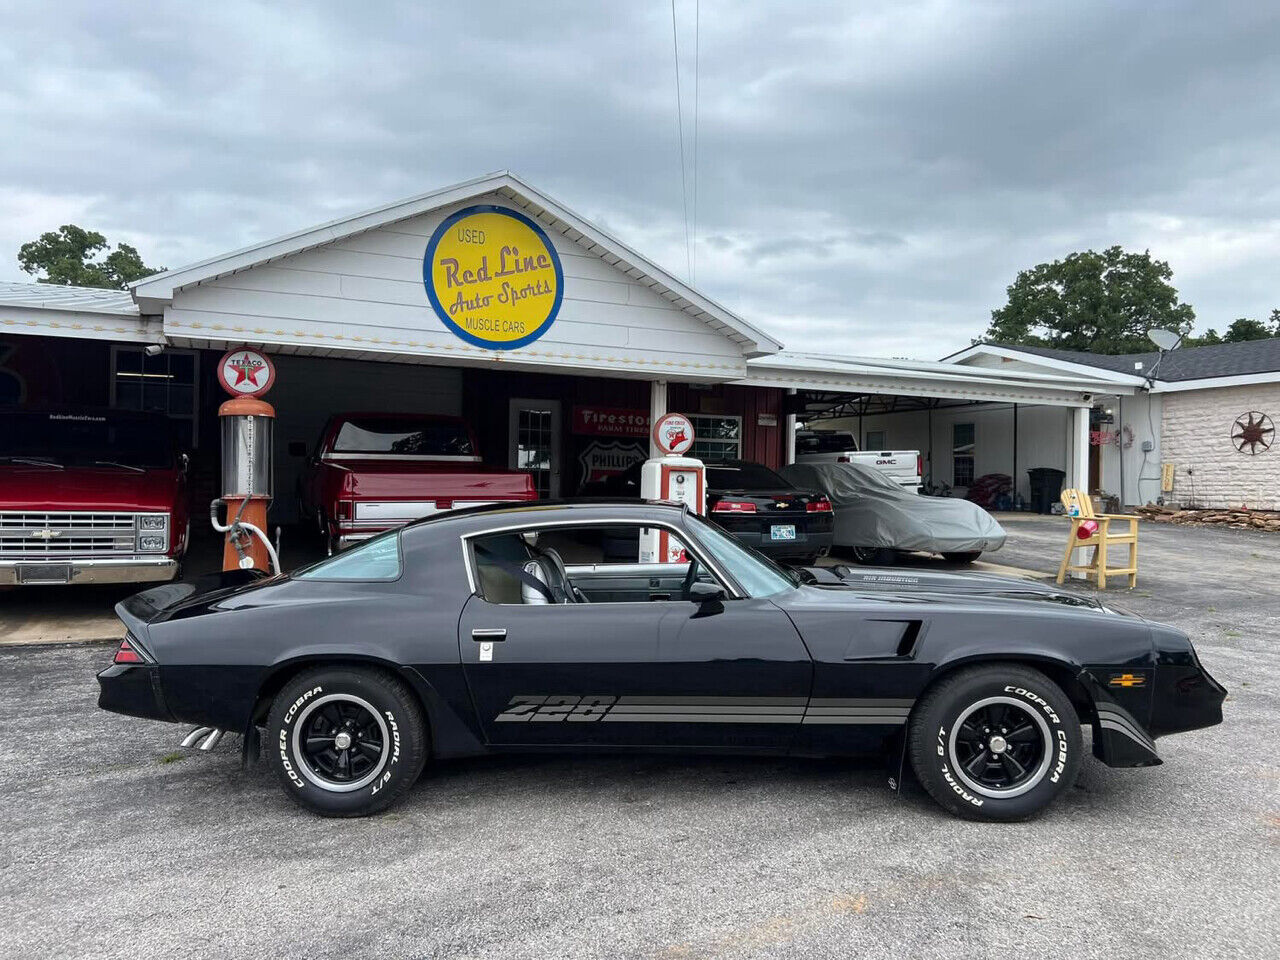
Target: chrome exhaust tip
[[190, 739], [212, 740]]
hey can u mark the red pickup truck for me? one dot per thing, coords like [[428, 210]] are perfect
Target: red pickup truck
[[372, 472], [90, 496]]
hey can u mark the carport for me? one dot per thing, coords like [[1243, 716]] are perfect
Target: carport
[[1011, 420]]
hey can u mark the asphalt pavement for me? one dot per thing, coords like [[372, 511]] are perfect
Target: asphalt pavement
[[118, 844]]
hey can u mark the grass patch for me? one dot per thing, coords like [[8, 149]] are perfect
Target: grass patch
[[1234, 633], [172, 757]]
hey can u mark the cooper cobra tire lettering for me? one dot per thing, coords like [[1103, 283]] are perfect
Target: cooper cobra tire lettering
[[286, 761]]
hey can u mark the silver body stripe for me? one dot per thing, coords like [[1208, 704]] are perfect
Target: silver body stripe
[[850, 711], [613, 717], [1112, 720]]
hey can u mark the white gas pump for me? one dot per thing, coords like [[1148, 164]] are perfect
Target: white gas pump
[[674, 477]]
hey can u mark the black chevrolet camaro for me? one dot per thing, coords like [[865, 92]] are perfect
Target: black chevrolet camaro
[[534, 628]]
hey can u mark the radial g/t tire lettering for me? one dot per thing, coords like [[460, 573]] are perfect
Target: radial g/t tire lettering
[[995, 742], [346, 741]]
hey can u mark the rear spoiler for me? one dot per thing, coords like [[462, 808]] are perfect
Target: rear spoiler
[[151, 605]]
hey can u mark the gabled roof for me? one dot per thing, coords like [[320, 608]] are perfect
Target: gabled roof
[[1211, 362], [53, 296], [154, 291]]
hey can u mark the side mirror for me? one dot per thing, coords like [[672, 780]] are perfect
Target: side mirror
[[709, 597], [297, 448]]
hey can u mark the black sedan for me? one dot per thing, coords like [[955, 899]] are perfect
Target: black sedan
[[530, 628], [756, 505]]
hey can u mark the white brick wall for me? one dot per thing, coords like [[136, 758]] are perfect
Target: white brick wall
[[1196, 428]]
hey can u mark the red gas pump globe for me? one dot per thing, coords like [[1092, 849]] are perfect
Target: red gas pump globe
[[244, 372], [673, 434]]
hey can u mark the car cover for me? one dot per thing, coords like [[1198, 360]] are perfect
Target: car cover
[[873, 511]]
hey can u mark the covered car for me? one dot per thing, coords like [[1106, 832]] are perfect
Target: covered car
[[875, 516]]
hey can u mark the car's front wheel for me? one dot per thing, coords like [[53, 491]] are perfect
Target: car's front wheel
[[345, 741], [995, 742]]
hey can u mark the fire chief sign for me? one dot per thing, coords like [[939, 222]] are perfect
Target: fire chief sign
[[493, 277], [246, 373]]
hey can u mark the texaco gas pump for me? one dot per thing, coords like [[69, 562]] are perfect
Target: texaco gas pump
[[672, 476], [247, 471]]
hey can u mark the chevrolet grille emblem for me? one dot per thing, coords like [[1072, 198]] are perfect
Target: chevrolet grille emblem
[[46, 534]]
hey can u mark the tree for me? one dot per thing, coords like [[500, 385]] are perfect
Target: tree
[[1239, 331], [1099, 302], [65, 257]]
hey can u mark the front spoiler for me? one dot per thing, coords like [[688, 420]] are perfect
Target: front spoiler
[[61, 572]]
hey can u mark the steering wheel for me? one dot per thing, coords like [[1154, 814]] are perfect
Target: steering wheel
[[690, 578]]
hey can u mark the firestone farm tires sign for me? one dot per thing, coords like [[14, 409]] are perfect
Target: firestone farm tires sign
[[493, 277]]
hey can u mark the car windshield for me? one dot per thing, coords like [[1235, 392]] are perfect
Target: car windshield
[[755, 573], [743, 476], [86, 439], [404, 436]]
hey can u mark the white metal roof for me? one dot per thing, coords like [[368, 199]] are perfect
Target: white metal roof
[[922, 378], [53, 296], [155, 291]]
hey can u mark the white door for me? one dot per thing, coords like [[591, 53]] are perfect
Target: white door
[[534, 444]]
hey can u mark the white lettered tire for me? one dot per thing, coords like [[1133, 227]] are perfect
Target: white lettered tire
[[995, 742], [346, 741]]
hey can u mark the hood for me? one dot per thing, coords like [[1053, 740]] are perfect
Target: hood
[[833, 583], [86, 488]]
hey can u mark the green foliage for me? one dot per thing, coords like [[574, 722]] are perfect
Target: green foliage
[[1099, 302], [68, 256], [1239, 331]]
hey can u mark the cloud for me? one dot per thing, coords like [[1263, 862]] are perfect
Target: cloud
[[875, 172]]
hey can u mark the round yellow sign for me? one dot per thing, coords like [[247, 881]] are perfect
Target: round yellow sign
[[493, 277]]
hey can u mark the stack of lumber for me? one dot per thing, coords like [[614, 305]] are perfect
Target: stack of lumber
[[1241, 519]]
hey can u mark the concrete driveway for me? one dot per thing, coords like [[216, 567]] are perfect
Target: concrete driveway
[[118, 845]]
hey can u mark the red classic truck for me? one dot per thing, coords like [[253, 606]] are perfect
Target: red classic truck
[[90, 496], [371, 472]]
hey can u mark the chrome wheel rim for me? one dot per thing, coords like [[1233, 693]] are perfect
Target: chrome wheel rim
[[341, 742], [1000, 747]]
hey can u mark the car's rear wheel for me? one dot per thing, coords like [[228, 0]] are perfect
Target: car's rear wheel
[[874, 556], [967, 556], [995, 742], [345, 741]]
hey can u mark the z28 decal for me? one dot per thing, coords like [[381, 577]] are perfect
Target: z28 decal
[[525, 708]]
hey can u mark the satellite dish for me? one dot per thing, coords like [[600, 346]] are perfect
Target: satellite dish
[[1164, 339]]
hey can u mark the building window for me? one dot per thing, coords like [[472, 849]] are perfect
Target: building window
[[875, 440], [716, 437], [165, 383], [962, 454]]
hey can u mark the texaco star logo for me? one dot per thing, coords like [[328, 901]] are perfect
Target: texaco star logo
[[1253, 430], [246, 373]]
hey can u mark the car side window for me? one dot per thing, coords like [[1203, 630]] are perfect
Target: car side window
[[376, 559], [592, 563]]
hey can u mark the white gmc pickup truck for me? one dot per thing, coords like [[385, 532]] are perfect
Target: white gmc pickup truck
[[836, 446]]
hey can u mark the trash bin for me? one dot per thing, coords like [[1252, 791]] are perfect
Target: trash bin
[[1046, 487]]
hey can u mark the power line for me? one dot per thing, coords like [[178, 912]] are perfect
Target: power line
[[697, 48], [684, 180]]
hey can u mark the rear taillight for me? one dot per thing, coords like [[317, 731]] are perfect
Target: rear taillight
[[734, 506], [343, 511], [844, 460], [821, 505], [128, 653], [919, 465]]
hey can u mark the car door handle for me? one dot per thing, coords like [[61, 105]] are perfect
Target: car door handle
[[489, 634]]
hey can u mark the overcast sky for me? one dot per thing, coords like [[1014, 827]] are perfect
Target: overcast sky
[[870, 177]]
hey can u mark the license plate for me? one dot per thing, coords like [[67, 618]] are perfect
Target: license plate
[[44, 573], [782, 531]]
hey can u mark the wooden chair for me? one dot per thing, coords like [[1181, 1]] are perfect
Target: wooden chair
[[1097, 565]]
